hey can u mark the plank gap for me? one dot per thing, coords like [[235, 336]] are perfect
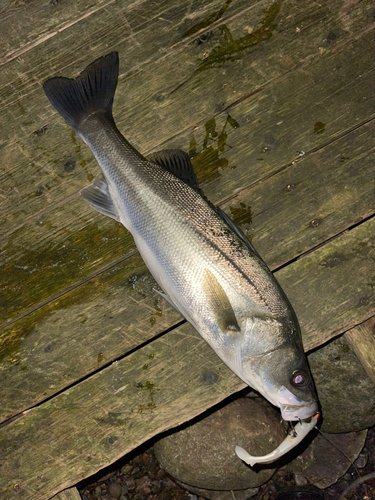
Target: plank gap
[[307, 154], [69, 289], [94, 372], [324, 243]]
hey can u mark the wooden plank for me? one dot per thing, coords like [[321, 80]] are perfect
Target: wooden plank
[[45, 344], [70, 494], [54, 252], [98, 420], [329, 288], [362, 340], [108, 416], [21, 251], [79, 333], [311, 200], [38, 158], [24, 24]]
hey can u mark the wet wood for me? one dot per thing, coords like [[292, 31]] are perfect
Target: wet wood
[[274, 102], [45, 153], [362, 339], [74, 338], [172, 379], [114, 312], [70, 494], [76, 242]]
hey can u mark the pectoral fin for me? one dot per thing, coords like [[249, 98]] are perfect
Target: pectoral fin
[[97, 194], [219, 303]]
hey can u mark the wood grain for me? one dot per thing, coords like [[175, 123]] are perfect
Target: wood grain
[[94, 423], [65, 235], [362, 340], [331, 290], [45, 162], [70, 494]]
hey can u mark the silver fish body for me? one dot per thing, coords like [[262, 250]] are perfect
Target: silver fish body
[[201, 260]]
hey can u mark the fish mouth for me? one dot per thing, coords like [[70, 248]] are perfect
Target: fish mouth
[[300, 412], [293, 408]]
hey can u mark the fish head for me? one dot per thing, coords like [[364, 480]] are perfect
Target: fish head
[[276, 366]]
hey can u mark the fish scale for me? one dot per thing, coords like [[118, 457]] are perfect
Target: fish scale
[[204, 264]]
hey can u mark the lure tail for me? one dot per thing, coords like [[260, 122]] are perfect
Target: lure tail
[[91, 92]]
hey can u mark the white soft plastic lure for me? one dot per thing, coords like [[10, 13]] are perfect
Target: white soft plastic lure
[[300, 432]]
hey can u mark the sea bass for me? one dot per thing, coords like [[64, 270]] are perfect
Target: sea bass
[[202, 261]]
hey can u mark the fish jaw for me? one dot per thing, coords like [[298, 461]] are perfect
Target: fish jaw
[[293, 408]]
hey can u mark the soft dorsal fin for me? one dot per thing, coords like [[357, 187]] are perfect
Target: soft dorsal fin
[[97, 194], [178, 163], [236, 229], [219, 303]]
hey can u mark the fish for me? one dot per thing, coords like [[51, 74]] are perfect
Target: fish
[[205, 266]]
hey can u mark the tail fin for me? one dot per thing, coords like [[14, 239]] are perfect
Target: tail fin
[[91, 92]]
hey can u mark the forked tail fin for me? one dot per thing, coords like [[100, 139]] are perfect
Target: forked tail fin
[[91, 92]]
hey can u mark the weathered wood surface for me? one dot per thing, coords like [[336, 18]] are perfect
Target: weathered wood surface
[[37, 163], [50, 259], [110, 413], [114, 312], [172, 379], [294, 157], [362, 339], [70, 494]]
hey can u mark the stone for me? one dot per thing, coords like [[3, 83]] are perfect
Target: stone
[[220, 495], [115, 490], [203, 454], [345, 391], [327, 458]]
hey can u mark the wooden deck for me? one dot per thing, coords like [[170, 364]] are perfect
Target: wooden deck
[[275, 102]]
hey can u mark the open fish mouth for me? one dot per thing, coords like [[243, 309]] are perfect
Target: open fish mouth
[[300, 412], [293, 408], [299, 433]]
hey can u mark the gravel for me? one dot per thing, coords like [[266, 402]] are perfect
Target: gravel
[[138, 476]]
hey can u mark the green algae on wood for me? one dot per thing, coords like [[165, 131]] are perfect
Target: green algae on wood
[[207, 21], [106, 413], [229, 49], [54, 252], [210, 161], [156, 122], [101, 415], [77, 333]]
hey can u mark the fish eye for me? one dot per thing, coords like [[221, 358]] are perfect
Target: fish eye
[[300, 378]]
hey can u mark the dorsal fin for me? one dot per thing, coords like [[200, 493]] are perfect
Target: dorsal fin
[[97, 194], [236, 229], [178, 163]]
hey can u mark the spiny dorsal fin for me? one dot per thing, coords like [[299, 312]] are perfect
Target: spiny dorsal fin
[[97, 194], [178, 163], [219, 303]]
